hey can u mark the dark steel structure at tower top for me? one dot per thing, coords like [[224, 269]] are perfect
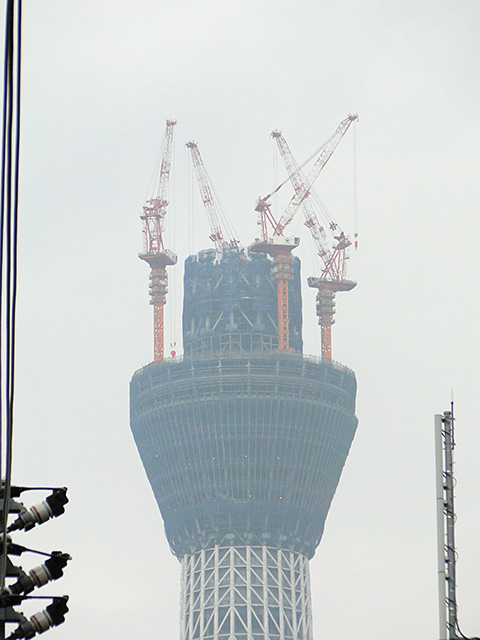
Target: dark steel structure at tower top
[[243, 446]]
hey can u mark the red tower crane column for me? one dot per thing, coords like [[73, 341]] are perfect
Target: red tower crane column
[[326, 290], [158, 289], [154, 252], [331, 280], [280, 249]]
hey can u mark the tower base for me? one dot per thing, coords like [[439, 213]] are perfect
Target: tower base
[[245, 593]]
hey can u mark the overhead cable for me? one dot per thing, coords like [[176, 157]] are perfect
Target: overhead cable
[[8, 247]]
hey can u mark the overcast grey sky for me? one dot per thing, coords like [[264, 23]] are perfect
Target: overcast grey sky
[[99, 80]]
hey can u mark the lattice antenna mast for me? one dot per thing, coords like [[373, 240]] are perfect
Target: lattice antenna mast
[[210, 201], [447, 556], [154, 251], [332, 278], [444, 445]]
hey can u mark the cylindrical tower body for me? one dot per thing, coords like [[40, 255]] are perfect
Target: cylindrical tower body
[[245, 592], [243, 446]]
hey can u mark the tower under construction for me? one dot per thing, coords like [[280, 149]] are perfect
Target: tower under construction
[[243, 445]]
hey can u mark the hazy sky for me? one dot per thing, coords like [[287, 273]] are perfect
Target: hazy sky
[[99, 80]]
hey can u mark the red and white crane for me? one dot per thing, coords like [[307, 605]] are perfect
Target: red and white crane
[[154, 251], [332, 278], [210, 201], [280, 248], [302, 187]]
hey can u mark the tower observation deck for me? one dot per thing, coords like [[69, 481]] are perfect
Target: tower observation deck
[[243, 446]]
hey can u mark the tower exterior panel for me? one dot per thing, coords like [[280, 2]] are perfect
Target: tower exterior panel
[[245, 446]]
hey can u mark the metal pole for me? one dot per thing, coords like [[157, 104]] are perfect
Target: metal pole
[[442, 577], [450, 524]]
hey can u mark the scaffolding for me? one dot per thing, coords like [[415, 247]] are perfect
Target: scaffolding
[[230, 303]]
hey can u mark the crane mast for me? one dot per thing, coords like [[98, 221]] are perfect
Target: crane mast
[[332, 278], [280, 248], [154, 252]]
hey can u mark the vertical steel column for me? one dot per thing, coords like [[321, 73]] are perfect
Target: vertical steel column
[[444, 445], [281, 274], [283, 337], [450, 525], [158, 293], [442, 575]]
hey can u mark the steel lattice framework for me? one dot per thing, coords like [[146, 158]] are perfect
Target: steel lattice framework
[[246, 593]]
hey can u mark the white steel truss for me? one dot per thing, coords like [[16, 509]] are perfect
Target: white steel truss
[[245, 593]]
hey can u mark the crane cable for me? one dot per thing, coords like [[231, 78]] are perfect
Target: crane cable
[[310, 157], [275, 170], [355, 196], [191, 205], [173, 243], [8, 250]]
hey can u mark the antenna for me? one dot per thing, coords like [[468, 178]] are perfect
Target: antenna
[[445, 481]]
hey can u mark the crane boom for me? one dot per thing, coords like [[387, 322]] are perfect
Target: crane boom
[[166, 163], [333, 259], [325, 155], [211, 206], [299, 184], [155, 209], [154, 252]]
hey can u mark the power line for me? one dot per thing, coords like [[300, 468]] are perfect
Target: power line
[[8, 246]]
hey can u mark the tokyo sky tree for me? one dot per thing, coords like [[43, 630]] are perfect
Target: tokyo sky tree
[[243, 446]]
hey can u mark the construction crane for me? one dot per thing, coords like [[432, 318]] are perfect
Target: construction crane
[[326, 152], [280, 248], [154, 251], [210, 201], [332, 278]]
